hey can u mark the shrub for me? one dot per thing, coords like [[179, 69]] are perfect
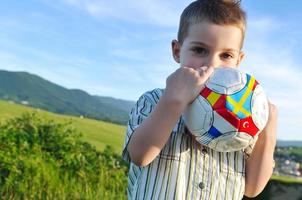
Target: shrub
[[43, 159]]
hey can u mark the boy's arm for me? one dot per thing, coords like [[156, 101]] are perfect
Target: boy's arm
[[150, 137], [260, 164]]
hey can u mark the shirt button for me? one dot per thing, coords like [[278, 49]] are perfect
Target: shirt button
[[204, 150], [201, 185]]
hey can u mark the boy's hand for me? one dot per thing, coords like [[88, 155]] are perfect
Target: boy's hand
[[184, 85], [270, 130], [150, 137]]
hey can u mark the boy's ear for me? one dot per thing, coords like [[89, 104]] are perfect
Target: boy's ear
[[176, 50], [240, 58]]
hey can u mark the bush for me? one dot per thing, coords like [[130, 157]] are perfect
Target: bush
[[43, 159]]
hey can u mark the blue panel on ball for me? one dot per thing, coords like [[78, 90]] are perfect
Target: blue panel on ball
[[214, 132], [241, 115]]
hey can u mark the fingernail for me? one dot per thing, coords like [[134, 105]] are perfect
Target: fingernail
[[204, 67]]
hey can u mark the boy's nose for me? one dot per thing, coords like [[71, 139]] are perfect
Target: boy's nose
[[212, 61]]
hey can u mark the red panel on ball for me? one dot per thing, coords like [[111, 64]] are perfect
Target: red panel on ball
[[247, 125]]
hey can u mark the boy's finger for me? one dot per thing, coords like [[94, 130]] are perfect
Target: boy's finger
[[205, 74], [202, 69], [209, 70]]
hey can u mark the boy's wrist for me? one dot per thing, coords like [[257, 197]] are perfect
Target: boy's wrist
[[267, 137], [173, 102]]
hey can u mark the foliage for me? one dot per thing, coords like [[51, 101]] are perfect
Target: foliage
[[43, 159], [294, 153]]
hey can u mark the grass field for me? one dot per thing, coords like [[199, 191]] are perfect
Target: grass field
[[97, 133], [286, 179]]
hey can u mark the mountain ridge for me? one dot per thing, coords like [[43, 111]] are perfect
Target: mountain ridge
[[35, 91]]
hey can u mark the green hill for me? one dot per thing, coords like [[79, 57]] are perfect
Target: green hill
[[32, 90], [289, 143], [97, 133]]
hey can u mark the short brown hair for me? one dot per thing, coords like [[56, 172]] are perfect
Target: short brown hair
[[220, 12]]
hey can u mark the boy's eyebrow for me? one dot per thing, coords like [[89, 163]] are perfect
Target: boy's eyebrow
[[199, 43], [203, 44], [232, 50]]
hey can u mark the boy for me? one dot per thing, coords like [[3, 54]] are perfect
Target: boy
[[166, 162]]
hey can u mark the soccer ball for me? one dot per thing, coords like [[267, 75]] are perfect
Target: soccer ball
[[229, 113]]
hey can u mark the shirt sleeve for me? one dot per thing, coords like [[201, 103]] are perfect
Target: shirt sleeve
[[138, 114]]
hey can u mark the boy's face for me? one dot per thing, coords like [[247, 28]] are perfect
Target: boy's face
[[208, 44]]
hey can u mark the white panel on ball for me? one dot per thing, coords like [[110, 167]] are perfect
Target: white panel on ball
[[236, 140], [259, 107], [223, 125], [224, 81], [199, 116]]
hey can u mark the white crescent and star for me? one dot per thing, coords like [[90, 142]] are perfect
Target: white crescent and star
[[246, 125]]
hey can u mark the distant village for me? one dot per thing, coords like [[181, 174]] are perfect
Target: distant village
[[288, 163]]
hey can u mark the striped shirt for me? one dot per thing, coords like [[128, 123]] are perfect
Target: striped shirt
[[184, 169]]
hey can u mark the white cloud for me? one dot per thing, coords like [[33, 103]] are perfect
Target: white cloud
[[263, 25], [154, 12]]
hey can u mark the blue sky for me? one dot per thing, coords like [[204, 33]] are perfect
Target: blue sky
[[121, 48]]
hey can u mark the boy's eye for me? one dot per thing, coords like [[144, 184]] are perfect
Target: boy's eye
[[200, 50], [227, 56]]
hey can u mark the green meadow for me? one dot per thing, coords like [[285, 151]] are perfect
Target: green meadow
[[97, 133], [286, 180]]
